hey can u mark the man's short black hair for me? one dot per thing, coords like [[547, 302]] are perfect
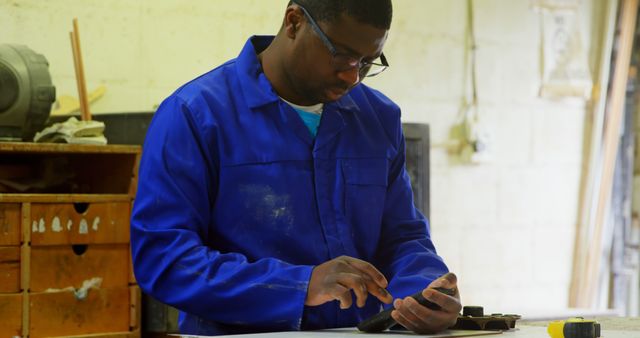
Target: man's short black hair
[[377, 13]]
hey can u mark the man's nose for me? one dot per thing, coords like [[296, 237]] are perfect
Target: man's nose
[[350, 76]]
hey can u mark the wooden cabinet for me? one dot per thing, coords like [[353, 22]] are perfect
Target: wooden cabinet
[[65, 262]]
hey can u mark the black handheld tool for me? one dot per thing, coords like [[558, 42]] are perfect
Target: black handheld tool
[[383, 320]]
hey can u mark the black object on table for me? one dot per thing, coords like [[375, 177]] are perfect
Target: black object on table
[[383, 320]]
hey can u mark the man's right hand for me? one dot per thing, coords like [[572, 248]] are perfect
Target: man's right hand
[[336, 278]]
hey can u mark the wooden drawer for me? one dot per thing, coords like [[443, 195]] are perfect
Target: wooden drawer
[[9, 269], [62, 314], [59, 267], [10, 315], [10, 224], [79, 223]]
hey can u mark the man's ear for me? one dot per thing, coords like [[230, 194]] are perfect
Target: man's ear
[[292, 21]]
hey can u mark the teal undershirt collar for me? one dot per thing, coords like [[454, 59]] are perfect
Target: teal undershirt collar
[[310, 115], [311, 120]]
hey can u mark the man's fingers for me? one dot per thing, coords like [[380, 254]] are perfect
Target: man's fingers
[[447, 303], [356, 283], [398, 317], [345, 300], [374, 279], [382, 294], [450, 277], [341, 294], [369, 270], [448, 280], [335, 278], [421, 319], [412, 310]]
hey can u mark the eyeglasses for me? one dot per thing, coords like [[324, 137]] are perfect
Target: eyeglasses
[[343, 62]]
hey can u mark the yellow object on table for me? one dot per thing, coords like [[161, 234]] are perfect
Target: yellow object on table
[[574, 328]]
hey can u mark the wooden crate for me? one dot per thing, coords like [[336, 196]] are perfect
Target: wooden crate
[[65, 313], [9, 269], [79, 223], [9, 224], [10, 315], [64, 242], [58, 267]]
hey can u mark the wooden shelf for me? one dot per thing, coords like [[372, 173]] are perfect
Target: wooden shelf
[[64, 227], [28, 169], [62, 148], [63, 198]]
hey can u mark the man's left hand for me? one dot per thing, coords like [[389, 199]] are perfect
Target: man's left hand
[[422, 320]]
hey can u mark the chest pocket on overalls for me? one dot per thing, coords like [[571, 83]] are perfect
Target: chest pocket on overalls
[[364, 196]]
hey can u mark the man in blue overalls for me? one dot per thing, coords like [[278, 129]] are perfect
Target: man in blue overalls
[[273, 191]]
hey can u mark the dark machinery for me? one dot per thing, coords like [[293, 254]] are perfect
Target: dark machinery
[[26, 92], [473, 318]]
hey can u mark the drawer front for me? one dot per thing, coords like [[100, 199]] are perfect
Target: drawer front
[[62, 314], [10, 315], [79, 223], [10, 224], [59, 267], [9, 269]]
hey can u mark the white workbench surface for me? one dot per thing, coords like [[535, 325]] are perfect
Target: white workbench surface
[[520, 332]]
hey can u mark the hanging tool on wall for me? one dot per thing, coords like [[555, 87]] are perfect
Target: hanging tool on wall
[[469, 143], [574, 328]]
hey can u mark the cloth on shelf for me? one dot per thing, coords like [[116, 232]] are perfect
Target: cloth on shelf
[[73, 131]]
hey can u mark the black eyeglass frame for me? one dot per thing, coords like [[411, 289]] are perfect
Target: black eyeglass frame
[[363, 66]]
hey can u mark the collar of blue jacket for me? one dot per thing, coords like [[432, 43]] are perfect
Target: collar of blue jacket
[[260, 92]]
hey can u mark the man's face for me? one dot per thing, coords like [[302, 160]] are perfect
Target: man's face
[[317, 74]]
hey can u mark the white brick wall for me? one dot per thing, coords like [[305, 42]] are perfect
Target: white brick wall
[[506, 226]]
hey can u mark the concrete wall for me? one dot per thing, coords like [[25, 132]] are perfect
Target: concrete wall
[[505, 226]]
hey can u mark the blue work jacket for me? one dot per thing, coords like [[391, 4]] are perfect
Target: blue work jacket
[[237, 203]]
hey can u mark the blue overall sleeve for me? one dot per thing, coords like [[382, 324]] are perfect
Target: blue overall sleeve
[[406, 251], [171, 221]]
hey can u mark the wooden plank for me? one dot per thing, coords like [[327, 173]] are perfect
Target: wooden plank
[[79, 67], [64, 198], [63, 148], [68, 223], [59, 267], [25, 313], [133, 188], [131, 334], [62, 314], [9, 269], [25, 266], [26, 247], [25, 221], [135, 298], [587, 279], [9, 224], [135, 333], [132, 276], [591, 152], [10, 315]]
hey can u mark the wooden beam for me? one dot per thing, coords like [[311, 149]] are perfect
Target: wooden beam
[[586, 280]]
